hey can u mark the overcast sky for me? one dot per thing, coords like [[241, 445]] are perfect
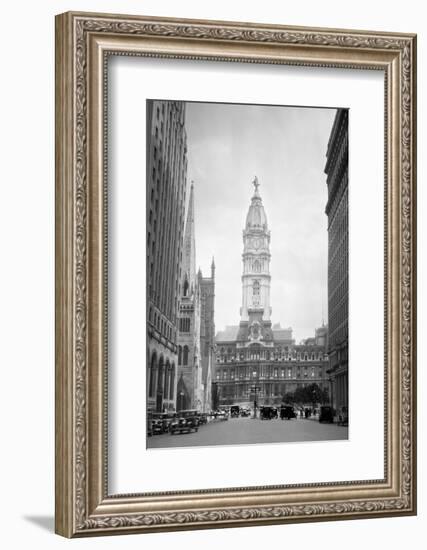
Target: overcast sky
[[285, 147]]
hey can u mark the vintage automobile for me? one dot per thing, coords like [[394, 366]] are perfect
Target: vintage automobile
[[245, 411], [149, 425], [157, 423], [267, 413], [219, 415], [287, 412], [326, 414], [161, 422], [203, 418], [167, 421], [185, 421], [234, 411]]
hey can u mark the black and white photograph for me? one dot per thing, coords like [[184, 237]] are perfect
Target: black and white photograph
[[247, 235]]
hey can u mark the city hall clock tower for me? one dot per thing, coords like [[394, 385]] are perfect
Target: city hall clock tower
[[256, 310]]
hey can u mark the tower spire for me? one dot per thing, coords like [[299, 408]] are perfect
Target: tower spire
[[189, 248], [213, 268], [256, 262]]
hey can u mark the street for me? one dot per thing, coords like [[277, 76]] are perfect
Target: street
[[235, 431]]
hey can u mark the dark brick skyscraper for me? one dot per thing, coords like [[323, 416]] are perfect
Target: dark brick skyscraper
[[337, 211], [166, 189]]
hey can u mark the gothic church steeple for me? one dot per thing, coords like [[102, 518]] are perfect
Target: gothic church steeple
[[189, 250]]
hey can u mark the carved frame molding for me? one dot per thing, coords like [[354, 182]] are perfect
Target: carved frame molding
[[83, 43]]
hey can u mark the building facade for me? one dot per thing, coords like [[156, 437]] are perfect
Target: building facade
[[207, 334], [337, 211], [165, 210], [196, 327], [189, 360], [255, 360]]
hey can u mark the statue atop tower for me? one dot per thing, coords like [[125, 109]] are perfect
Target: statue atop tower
[[256, 184]]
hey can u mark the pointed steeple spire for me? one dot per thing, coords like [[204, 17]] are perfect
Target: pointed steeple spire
[[189, 248], [213, 268]]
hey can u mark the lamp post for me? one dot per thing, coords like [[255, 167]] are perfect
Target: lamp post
[[215, 396], [314, 399], [255, 389]]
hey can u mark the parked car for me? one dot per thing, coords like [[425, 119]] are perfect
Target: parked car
[[223, 415], [267, 413], [245, 412], [161, 422], [219, 415], [185, 421], [149, 425], [203, 418], [234, 411], [287, 412], [157, 423], [326, 414]]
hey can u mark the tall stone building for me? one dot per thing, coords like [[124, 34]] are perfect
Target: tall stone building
[[189, 371], [196, 325], [166, 190], [207, 333], [255, 360], [337, 211]]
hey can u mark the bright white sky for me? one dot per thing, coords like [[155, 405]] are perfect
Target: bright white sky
[[286, 148]]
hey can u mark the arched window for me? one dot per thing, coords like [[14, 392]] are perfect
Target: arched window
[[257, 266], [172, 382], [185, 356], [184, 324], [160, 376], [166, 382], [179, 355], [152, 375], [256, 288], [185, 291]]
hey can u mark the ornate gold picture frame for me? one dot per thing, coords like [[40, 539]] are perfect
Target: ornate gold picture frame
[[84, 42]]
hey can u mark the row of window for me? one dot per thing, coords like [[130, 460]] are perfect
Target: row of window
[[161, 324], [268, 389], [254, 266], [183, 355], [268, 372], [167, 200], [268, 356], [184, 324]]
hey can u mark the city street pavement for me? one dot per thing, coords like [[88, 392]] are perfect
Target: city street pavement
[[235, 431]]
